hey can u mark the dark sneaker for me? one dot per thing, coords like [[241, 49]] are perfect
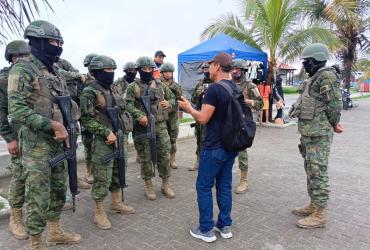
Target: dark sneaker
[[207, 237], [225, 232]]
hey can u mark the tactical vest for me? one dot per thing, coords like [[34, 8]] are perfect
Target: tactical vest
[[46, 87], [307, 106], [119, 93], [156, 96], [104, 100]]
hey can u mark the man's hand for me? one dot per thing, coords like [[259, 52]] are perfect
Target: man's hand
[[185, 104], [143, 121], [111, 138], [60, 131], [164, 104], [279, 104], [13, 147], [249, 102], [338, 128]]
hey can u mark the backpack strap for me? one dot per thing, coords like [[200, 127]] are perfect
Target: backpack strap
[[226, 87]]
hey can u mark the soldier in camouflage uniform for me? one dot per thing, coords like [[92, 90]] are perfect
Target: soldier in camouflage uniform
[[32, 86], [95, 98], [166, 78], [197, 99], [254, 100], [9, 131], [318, 110], [119, 88], [162, 100], [87, 137]]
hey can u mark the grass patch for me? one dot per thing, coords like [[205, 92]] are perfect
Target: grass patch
[[2, 205], [186, 119], [289, 90], [361, 97]]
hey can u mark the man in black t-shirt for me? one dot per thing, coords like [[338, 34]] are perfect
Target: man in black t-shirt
[[215, 163]]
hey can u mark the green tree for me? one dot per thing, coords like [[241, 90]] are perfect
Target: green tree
[[13, 14], [278, 26], [349, 20]]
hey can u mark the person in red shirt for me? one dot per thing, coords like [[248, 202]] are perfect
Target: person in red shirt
[[265, 92]]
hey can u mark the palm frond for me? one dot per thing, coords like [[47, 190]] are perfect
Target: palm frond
[[231, 25]]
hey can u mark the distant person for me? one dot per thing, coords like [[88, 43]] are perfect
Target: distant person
[[278, 95], [265, 91], [318, 110], [215, 163], [158, 60]]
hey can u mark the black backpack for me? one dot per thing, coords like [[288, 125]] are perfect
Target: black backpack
[[239, 129]]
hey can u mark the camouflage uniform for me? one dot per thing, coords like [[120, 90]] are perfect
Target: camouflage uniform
[[45, 186], [134, 106], [10, 133], [251, 92], [317, 134], [72, 77], [172, 122]]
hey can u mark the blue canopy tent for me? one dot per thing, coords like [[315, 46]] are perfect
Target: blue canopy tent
[[190, 61]]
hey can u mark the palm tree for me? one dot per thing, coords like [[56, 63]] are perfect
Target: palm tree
[[349, 19], [13, 14], [277, 26]]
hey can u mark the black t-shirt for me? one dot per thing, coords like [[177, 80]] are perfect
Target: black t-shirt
[[217, 97]]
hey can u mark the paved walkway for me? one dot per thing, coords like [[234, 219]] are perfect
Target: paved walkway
[[262, 217]]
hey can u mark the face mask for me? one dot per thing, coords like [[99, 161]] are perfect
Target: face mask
[[237, 76], [105, 78], [307, 65], [146, 76], [47, 53], [130, 76], [206, 75]]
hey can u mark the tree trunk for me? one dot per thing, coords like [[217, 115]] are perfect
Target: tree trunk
[[270, 79]]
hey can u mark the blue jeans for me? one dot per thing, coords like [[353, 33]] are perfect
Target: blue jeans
[[215, 164]]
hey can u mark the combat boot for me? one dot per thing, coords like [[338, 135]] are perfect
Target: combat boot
[[166, 189], [16, 224], [150, 193], [243, 186], [173, 163], [36, 243], [304, 211], [56, 234], [315, 220], [101, 219], [89, 177], [118, 206], [82, 184], [195, 166]]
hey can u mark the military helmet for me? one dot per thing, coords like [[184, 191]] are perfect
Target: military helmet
[[144, 61], [17, 47], [88, 59], [167, 67], [129, 65], [239, 64], [205, 65], [317, 51], [102, 62], [42, 29]]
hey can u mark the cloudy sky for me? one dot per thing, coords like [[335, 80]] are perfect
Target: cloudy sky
[[126, 30]]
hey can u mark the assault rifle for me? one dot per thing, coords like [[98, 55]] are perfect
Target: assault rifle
[[118, 153], [69, 154]]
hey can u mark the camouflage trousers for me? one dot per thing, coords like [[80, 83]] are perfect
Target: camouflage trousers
[[17, 183], [200, 134], [142, 147], [173, 130], [243, 160], [315, 152], [105, 175], [45, 186], [87, 140]]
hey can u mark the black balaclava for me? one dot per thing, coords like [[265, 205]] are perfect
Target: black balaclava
[[146, 76], [206, 75], [237, 76], [311, 66], [105, 78], [130, 76], [47, 53]]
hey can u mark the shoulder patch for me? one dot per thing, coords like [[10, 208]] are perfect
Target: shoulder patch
[[13, 82]]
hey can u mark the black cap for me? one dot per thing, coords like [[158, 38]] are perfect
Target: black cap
[[159, 53]]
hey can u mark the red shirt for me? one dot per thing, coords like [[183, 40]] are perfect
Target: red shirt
[[264, 90]]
